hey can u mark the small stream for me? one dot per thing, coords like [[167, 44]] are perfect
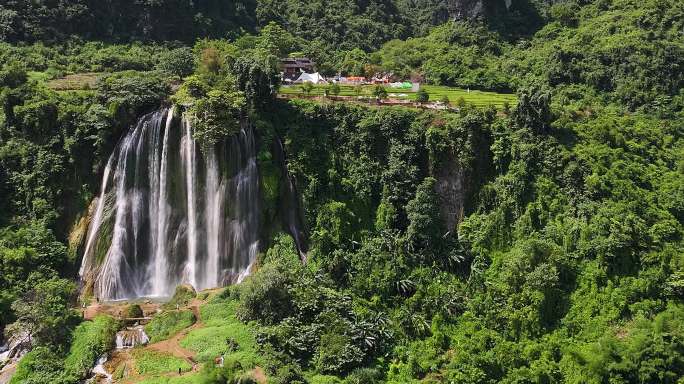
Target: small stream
[[100, 372], [131, 337], [125, 339]]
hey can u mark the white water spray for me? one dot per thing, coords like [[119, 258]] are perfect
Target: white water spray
[[169, 213]]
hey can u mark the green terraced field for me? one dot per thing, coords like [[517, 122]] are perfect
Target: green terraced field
[[436, 92]]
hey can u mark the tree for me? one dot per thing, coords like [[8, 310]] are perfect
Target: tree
[[354, 63], [533, 110], [334, 227], [422, 96], [44, 313], [380, 92], [129, 94], [444, 99], [335, 89], [13, 74], [179, 62], [276, 40], [425, 228], [8, 19], [460, 102], [217, 116], [266, 296], [307, 87], [257, 77]]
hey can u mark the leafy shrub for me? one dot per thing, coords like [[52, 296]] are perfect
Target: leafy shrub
[[41, 365], [264, 296], [288, 373], [337, 353], [133, 311], [324, 379], [422, 96], [363, 376], [379, 92]]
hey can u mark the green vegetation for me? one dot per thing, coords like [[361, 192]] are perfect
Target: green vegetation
[[474, 97], [41, 365], [182, 296], [44, 312], [133, 311], [222, 334], [149, 362], [528, 238], [457, 54], [422, 96], [185, 379], [90, 341], [167, 324]]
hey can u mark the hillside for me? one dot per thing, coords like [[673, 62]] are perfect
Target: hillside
[[535, 238]]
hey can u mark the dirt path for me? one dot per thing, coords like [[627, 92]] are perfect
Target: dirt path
[[92, 310], [259, 375], [172, 345], [115, 310], [7, 372]]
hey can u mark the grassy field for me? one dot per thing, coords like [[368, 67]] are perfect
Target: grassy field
[[168, 324], [151, 362], [221, 325], [185, 379], [436, 92], [78, 81]]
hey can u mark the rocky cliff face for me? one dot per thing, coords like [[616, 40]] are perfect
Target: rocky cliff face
[[451, 188], [473, 9]]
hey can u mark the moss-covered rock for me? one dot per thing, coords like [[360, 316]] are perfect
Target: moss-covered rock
[[181, 297], [133, 311]]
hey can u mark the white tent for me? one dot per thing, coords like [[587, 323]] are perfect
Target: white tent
[[314, 78]]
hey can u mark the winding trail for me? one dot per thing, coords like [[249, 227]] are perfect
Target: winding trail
[[172, 345]]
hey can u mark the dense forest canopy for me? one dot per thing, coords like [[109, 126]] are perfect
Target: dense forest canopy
[[541, 242], [341, 24]]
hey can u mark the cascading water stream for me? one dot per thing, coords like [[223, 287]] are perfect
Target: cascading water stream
[[170, 213], [159, 266], [189, 160]]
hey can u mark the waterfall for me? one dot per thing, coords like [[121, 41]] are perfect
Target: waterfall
[[169, 213], [190, 160], [131, 337], [99, 371]]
